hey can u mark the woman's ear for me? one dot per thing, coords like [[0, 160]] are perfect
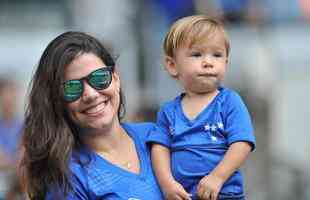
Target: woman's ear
[[170, 66], [117, 80]]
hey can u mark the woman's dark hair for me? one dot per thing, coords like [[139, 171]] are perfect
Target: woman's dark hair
[[49, 136]]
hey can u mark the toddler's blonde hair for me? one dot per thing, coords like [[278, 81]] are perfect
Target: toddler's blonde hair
[[192, 30]]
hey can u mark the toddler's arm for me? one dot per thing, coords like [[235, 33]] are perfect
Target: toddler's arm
[[210, 186], [161, 164]]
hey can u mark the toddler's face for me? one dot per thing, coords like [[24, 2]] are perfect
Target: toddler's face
[[201, 67]]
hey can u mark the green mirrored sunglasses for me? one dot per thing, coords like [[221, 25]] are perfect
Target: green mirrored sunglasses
[[99, 79]]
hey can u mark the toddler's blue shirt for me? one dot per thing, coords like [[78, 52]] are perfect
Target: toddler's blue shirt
[[197, 146]]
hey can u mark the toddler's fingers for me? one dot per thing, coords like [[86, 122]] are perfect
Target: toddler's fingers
[[200, 191], [184, 194], [207, 195], [178, 197], [200, 186], [214, 196]]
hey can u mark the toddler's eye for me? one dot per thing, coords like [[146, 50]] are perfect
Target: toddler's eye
[[218, 55], [195, 54]]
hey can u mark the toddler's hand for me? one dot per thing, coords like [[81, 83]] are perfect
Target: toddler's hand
[[209, 187], [175, 191]]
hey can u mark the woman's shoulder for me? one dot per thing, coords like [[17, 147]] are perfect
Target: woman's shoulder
[[78, 184], [139, 125]]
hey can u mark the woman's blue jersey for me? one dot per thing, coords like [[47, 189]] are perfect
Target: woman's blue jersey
[[97, 178]]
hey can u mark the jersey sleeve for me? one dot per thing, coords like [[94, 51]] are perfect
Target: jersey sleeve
[[238, 124], [79, 191], [160, 134]]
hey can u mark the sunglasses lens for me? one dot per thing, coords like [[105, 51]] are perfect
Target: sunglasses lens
[[73, 89], [100, 79]]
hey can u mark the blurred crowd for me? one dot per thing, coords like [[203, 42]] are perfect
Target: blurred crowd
[[267, 37], [10, 134]]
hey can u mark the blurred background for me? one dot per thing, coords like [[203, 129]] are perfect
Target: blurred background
[[269, 66]]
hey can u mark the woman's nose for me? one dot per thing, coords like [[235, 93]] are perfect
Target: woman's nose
[[89, 93]]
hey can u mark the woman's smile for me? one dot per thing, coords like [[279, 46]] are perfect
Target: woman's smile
[[97, 109]]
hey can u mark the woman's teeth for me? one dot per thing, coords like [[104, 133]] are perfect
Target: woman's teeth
[[97, 108]]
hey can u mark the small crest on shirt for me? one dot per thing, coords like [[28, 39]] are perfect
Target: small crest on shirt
[[213, 128], [171, 130]]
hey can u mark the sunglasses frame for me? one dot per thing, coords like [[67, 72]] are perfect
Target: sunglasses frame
[[108, 69]]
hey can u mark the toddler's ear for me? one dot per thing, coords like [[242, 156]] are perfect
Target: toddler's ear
[[171, 67]]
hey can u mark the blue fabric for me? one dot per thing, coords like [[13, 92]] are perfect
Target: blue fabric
[[9, 138], [175, 9], [10, 135], [99, 179], [229, 6], [198, 145]]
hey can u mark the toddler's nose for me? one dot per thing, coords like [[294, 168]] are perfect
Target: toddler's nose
[[207, 64]]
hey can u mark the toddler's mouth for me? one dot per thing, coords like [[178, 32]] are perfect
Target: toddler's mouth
[[208, 75]]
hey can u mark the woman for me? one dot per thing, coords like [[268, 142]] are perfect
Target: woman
[[75, 145]]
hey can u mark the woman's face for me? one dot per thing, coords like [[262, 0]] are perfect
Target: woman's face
[[95, 109]]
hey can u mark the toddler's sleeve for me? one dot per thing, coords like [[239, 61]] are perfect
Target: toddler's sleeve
[[238, 124], [160, 133]]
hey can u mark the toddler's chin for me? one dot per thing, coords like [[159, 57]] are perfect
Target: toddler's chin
[[206, 88], [206, 91]]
